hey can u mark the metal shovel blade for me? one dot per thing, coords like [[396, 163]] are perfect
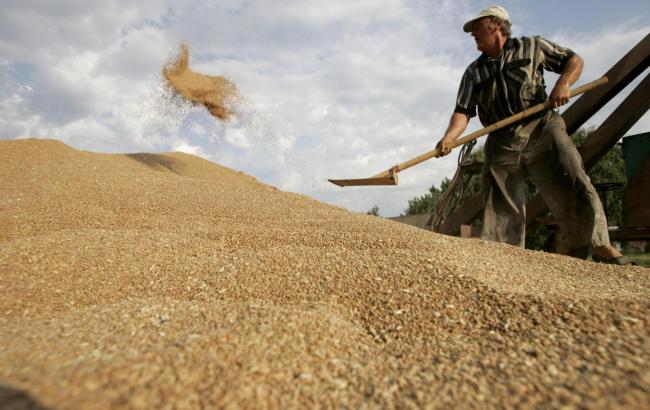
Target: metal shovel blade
[[389, 180]]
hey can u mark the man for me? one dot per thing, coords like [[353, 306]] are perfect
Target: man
[[506, 79]]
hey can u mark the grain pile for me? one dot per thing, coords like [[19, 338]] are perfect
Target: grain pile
[[215, 93], [155, 281]]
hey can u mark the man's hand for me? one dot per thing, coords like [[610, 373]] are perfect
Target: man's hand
[[457, 124], [443, 147], [560, 94], [570, 74]]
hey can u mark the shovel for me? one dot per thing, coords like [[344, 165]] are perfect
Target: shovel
[[390, 177]]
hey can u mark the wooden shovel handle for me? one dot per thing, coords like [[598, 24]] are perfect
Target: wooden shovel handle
[[490, 128]]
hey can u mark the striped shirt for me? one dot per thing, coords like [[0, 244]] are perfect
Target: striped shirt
[[512, 82]]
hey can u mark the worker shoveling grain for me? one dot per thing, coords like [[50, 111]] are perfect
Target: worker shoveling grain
[[215, 93]]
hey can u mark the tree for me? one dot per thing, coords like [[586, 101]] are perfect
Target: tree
[[428, 201], [610, 168], [373, 211]]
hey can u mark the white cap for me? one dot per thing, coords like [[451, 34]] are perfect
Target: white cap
[[492, 11]]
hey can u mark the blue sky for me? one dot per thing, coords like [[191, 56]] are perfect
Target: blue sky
[[336, 89]]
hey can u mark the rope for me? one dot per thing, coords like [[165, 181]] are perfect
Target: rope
[[451, 195]]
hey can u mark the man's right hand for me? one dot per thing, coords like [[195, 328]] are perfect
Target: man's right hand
[[457, 125], [443, 147]]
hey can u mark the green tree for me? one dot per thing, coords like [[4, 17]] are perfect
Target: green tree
[[428, 201], [609, 169], [373, 211]]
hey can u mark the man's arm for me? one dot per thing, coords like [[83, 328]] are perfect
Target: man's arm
[[570, 74], [457, 125]]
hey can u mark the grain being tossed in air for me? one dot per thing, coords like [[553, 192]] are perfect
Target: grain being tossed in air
[[215, 93]]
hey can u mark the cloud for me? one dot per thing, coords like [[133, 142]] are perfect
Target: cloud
[[186, 147], [600, 54], [136, 56], [42, 32], [87, 133], [331, 89]]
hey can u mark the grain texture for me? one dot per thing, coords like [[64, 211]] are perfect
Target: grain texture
[[167, 281]]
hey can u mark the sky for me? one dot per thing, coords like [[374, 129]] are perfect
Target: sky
[[334, 89]]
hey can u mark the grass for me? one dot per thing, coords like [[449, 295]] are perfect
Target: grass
[[643, 259]]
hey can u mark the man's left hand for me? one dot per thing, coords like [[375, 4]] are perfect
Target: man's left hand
[[560, 94]]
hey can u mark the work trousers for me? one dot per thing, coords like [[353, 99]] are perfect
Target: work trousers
[[542, 150]]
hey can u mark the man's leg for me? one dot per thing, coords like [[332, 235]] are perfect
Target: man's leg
[[567, 190], [573, 236], [504, 217]]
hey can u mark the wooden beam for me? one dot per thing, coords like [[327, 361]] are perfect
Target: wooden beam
[[463, 215], [630, 234], [617, 124], [620, 76]]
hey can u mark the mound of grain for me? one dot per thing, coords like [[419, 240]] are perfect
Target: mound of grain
[[151, 280], [212, 92]]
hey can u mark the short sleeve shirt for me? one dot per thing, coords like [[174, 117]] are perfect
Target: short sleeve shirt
[[512, 82]]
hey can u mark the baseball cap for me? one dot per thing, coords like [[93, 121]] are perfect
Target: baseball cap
[[492, 11]]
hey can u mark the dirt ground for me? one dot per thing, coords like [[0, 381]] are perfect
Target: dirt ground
[[166, 281]]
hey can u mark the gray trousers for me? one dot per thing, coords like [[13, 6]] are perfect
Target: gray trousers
[[542, 150]]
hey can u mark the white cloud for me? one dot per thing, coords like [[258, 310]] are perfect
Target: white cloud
[[600, 53], [186, 147], [16, 120], [333, 89], [85, 133], [238, 138]]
